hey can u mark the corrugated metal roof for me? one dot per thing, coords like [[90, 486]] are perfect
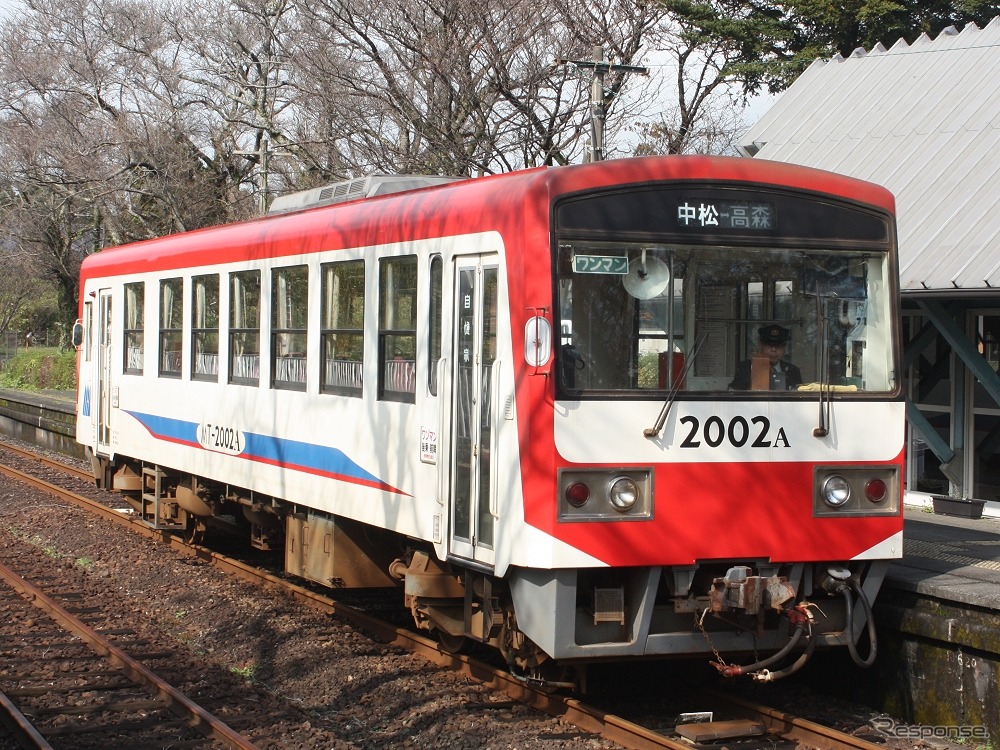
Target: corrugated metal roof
[[923, 120]]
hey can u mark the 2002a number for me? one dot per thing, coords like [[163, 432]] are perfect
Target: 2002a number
[[738, 432]]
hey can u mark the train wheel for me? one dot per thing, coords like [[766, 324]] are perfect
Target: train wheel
[[530, 664], [453, 644], [195, 532]]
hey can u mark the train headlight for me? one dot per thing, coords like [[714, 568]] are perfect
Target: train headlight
[[836, 491], [623, 494]]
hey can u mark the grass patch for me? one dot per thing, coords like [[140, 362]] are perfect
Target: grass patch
[[40, 369], [247, 673]]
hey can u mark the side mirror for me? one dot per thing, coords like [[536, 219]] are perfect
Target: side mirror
[[78, 334]]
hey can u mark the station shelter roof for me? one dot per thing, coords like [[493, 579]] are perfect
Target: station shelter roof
[[921, 119]]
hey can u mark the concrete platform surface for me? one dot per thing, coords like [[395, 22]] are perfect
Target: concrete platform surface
[[951, 558], [57, 400]]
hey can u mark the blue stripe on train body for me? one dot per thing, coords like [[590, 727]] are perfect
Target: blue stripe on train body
[[293, 454]]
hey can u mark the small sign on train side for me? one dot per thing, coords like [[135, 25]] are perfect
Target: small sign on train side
[[615, 264]]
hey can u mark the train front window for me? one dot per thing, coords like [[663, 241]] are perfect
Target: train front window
[[650, 317]]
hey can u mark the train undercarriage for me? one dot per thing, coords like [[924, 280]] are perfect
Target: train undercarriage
[[545, 623]]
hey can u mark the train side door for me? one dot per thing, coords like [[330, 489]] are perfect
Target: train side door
[[474, 368], [103, 362]]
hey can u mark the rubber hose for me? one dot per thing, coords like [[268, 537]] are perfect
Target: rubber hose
[[791, 668], [734, 670], [869, 619]]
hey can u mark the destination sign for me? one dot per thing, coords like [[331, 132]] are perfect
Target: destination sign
[[720, 214]]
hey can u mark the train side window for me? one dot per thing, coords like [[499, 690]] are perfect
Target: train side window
[[434, 323], [397, 328], [171, 322], [244, 328], [205, 327], [342, 334], [134, 301], [289, 318]]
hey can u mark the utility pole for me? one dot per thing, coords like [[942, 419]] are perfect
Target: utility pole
[[598, 112], [263, 155], [265, 90]]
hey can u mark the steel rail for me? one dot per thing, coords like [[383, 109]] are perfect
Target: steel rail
[[793, 727], [50, 462], [195, 716], [20, 726], [577, 713]]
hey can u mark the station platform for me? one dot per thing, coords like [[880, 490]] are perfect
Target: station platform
[[938, 619], [43, 418], [63, 401], [948, 557]]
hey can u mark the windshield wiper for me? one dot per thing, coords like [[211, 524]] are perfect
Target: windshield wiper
[[675, 386], [824, 366]]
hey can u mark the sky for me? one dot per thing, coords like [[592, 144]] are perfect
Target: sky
[[7, 7]]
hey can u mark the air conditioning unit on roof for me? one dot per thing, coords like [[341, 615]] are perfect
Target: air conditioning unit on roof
[[349, 190]]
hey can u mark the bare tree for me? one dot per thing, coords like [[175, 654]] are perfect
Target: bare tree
[[236, 76], [442, 86], [89, 137], [122, 119], [704, 114], [398, 82], [716, 130], [125, 119]]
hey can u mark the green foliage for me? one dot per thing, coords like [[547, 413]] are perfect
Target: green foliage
[[766, 45], [41, 312], [42, 368], [649, 370]]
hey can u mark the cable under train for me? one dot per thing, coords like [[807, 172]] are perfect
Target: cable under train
[[516, 398]]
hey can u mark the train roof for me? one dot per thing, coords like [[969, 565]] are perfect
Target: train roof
[[498, 202]]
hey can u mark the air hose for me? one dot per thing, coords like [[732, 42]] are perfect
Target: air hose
[[869, 619], [735, 670], [768, 676]]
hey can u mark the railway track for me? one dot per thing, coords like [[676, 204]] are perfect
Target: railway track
[[64, 683], [751, 725]]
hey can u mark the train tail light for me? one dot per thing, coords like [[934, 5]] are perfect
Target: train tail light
[[876, 490], [577, 494], [856, 490]]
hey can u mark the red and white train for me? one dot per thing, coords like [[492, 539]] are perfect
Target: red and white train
[[515, 397]]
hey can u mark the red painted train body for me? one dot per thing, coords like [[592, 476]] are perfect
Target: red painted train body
[[536, 401]]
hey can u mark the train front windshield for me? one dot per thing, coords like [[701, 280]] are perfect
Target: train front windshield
[[643, 316]]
